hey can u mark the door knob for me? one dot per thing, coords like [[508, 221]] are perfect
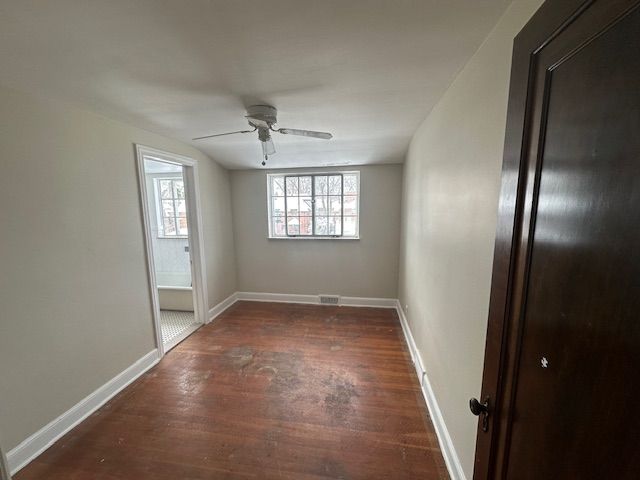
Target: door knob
[[478, 409]]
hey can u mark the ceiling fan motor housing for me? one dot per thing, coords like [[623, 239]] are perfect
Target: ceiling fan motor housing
[[262, 116]]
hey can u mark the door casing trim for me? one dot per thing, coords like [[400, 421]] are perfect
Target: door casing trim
[[196, 236]]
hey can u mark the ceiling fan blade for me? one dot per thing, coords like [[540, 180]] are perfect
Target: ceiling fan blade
[[268, 148], [223, 134], [305, 133]]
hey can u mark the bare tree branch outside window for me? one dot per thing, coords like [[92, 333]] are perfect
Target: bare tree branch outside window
[[314, 205]]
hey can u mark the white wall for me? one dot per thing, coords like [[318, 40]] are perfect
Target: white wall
[[76, 307], [450, 198], [363, 268]]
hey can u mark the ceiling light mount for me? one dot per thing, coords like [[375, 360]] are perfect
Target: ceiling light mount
[[264, 116]]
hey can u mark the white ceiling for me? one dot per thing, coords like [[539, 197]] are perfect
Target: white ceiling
[[366, 70]]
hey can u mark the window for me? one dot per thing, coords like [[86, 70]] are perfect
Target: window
[[172, 207], [323, 205]]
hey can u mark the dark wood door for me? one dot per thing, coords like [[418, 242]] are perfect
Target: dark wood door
[[563, 354]]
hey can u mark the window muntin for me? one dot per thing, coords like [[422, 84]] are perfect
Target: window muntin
[[172, 207], [323, 205]]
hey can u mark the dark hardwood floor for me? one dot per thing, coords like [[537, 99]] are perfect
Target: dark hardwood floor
[[267, 391]]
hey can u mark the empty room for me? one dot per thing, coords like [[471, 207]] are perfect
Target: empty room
[[306, 240]]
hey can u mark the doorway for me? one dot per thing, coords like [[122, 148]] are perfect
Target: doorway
[[170, 206]]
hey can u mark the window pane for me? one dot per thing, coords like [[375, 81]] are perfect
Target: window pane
[[335, 205], [321, 225], [350, 184], [277, 206], [292, 186], [293, 226], [166, 189], [322, 206], [305, 206], [182, 227], [167, 208], [306, 224], [305, 186], [278, 227], [334, 226], [178, 189], [181, 208], [335, 185], [292, 206], [350, 205], [321, 185], [350, 224], [169, 226], [277, 186]]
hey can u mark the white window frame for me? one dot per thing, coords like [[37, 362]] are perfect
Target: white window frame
[[158, 201], [313, 236]]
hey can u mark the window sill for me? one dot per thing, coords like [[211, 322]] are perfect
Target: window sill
[[313, 238], [173, 237]]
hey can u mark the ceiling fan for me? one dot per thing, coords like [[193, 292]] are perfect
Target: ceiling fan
[[263, 118]]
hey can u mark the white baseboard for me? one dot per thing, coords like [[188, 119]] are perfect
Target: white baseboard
[[37, 443], [451, 458], [277, 297], [315, 299], [222, 306], [368, 302]]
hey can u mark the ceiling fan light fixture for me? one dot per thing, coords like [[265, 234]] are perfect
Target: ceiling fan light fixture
[[268, 148], [262, 118]]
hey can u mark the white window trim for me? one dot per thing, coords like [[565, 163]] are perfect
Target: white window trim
[[270, 234]]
